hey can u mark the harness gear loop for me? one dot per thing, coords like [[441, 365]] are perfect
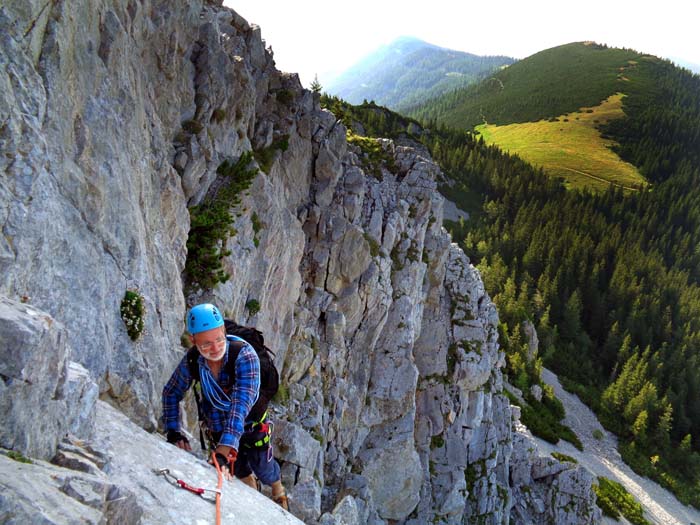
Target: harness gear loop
[[259, 427]]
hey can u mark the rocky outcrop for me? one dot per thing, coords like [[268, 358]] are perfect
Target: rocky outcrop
[[118, 478], [546, 490], [114, 119], [43, 395]]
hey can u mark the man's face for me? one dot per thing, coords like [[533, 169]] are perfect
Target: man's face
[[211, 343]]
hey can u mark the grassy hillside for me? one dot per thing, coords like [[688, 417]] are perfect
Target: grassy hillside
[[550, 83], [570, 146], [409, 71]]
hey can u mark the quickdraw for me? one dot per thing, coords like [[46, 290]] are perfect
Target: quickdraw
[[174, 480]]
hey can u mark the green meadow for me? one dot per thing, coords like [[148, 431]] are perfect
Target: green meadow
[[570, 146]]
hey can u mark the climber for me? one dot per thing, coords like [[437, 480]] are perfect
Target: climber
[[226, 401]]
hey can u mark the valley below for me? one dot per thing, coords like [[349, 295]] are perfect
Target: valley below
[[601, 458]]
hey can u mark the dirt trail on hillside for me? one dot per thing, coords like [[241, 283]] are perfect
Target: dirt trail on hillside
[[590, 175], [600, 456]]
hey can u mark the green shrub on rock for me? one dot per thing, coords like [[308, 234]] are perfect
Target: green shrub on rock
[[133, 312]]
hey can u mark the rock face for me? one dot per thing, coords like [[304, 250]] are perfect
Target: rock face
[[115, 480], [115, 117], [549, 491], [43, 396]]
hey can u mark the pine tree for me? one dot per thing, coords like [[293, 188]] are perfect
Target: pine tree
[[316, 85]]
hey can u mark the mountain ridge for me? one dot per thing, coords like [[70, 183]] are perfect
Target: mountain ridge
[[410, 69], [549, 83]]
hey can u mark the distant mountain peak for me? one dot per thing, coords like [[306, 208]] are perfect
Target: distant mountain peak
[[409, 70]]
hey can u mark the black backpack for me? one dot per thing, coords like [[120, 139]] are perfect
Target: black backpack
[[269, 376]]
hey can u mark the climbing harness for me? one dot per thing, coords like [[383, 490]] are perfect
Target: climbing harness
[[174, 480], [261, 428]]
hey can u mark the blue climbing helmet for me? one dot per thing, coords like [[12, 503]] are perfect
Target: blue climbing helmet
[[204, 317]]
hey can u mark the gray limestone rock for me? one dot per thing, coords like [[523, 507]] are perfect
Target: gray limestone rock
[[305, 500], [295, 445], [116, 116], [346, 512], [128, 487], [33, 375], [536, 392], [545, 490]]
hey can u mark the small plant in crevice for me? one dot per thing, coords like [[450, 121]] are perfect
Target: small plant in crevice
[[253, 306], [218, 115], [452, 358], [192, 127], [257, 226], [282, 395], [437, 441], [284, 96], [133, 312], [266, 156], [374, 246], [211, 224], [373, 155], [563, 457], [18, 456]]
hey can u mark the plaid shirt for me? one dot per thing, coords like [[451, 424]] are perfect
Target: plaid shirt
[[243, 396]]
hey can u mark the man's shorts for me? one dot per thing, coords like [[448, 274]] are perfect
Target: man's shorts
[[258, 461]]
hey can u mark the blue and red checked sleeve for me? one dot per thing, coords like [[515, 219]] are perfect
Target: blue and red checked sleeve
[[173, 392], [243, 396]]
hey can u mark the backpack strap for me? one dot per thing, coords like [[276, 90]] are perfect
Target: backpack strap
[[234, 348], [193, 367]]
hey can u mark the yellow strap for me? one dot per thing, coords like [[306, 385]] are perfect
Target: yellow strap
[[261, 442], [262, 419]]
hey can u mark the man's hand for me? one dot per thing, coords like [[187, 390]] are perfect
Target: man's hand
[[226, 458], [178, 440]]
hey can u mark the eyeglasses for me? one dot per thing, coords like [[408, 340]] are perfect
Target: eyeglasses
[[206, 347]]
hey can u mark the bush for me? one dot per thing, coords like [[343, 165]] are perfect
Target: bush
[[614, 500], [253, 306], [132, 312], [564, 457], [543, 420], [211, 224], [18, 456], [257, 226], [373, 155], [284, 96], [192, 127], [218, 115], [266, 156]]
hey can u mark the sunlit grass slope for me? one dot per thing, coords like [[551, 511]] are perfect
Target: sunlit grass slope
[[570, 146], [552, 82]]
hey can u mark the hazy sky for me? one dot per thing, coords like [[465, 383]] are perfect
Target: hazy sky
[[326, 37]]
